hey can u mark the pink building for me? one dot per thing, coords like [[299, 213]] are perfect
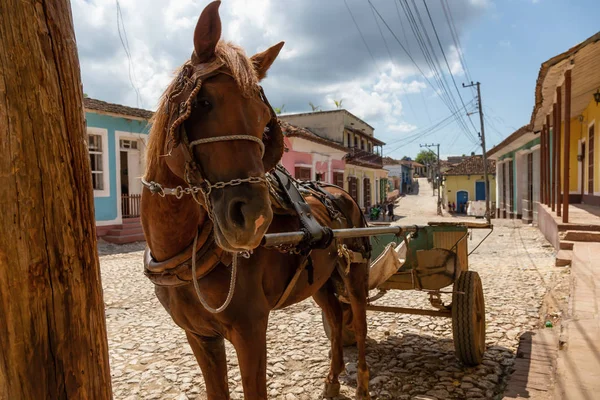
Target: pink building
[[312, 157]]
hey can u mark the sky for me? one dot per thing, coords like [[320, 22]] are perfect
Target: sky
[[369, 54]]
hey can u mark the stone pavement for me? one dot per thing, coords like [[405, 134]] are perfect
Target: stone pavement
[[410, 356], [578, 375]]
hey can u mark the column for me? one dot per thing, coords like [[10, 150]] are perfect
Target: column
[[557, 128], [567, 146]]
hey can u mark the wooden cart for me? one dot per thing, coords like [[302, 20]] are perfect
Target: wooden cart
[[429, 259]]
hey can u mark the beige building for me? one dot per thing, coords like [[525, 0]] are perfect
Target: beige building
[[364, 176]]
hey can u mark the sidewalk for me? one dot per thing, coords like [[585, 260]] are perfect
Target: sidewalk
[[578, 364]]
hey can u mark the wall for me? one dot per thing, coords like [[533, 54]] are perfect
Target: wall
[[579, 132], [519, 172], [329, 125], [106, 207], [318, 157], [454, 183]]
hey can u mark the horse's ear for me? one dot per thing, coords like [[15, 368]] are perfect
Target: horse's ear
[[262, 61], [207, 33]]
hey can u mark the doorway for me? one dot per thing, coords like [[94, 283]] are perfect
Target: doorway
[[130, 173], [462, 198]]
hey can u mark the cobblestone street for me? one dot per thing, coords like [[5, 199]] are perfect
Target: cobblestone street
[[409, 356]]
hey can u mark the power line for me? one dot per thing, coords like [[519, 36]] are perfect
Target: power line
[[361, 35], [456, 39], [446, 60], [125, 44], [443, 92]]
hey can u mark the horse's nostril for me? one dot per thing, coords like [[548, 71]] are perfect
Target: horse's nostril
[[236, 214]]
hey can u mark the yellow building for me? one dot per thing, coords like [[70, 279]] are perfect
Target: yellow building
[[465, 182], [567, 90]]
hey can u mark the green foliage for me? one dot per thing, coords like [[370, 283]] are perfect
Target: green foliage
[[279, 110], [314, 108], [426, 157], [338, 103], [85, 95]]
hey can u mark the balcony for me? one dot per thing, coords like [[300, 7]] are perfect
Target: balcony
[[363, 158]]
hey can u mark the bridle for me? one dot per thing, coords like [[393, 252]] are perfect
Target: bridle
[[179, 108]]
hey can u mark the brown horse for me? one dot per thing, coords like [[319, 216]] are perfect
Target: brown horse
[[212, 140]]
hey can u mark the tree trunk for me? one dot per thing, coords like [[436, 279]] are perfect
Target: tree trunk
[[53, 341]]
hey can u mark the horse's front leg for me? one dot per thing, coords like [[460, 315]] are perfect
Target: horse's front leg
[[250, 341], [210, 354]]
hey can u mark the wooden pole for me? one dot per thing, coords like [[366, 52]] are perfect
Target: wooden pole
[[553, 154], [558, 146], [543, 165], [548, 163], [53, 341], [567, 146]]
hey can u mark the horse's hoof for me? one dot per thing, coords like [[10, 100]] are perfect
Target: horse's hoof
[[331, 390], [362, 395]]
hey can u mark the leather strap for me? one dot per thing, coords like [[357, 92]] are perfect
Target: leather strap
[[177, 270], [317, 236], [290, 287]]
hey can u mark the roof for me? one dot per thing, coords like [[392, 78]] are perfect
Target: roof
[[361, 133], [290, 130], [341, 110], [510, 139], [392, 161], [472, 166], [103, 106], [551, 75]]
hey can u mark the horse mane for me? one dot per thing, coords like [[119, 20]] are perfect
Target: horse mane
[[235, 62]]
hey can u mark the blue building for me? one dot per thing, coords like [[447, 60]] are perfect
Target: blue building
[[117, 136]]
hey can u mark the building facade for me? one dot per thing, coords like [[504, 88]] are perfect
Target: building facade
[[117, 136], [465, 183], [364, 176], [311, 157], [518, 175]]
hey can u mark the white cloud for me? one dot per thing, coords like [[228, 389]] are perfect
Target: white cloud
[[504, 43]]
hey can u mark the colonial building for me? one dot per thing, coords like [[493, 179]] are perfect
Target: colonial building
[[518, 175], [116, 142], [466, 182], [312, 157], [400, 174], [364, 176]]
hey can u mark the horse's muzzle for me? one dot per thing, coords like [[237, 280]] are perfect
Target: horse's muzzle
[[242, 217]]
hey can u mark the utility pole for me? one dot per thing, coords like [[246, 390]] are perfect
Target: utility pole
[[437, 177], [485, 164]]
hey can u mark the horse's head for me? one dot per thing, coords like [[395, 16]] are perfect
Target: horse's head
[[221, 130]]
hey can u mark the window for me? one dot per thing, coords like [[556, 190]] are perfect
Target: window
[[353, 187], [95, 149], [127, 144], [302, 173], [362, 144], [349, 139]]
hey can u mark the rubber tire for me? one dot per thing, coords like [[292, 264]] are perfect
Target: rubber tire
[[348, 336], [468, 318]]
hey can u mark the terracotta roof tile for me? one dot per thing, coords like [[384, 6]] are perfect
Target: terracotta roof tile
[[290, 130], [472, 166], [103, 106]]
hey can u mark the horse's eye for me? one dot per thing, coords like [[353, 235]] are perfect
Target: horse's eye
[[203, 103]]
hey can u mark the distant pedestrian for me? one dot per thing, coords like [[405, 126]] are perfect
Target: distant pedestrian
[[390, 210]]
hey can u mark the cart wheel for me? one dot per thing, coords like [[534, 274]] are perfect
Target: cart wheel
[[348, 337], [468, 318]]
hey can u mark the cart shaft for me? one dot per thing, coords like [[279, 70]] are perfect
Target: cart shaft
[[276, 239]]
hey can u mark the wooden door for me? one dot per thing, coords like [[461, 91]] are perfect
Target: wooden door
[[367, 192], [338, 179], [591, 160], [353, 187]]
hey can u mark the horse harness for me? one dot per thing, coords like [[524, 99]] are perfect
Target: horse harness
[[284, 191]]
